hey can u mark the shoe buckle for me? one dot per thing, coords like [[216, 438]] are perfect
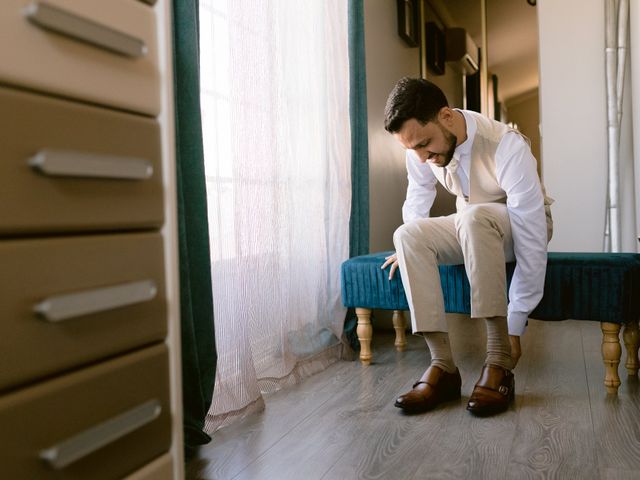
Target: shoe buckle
[[503, 390]]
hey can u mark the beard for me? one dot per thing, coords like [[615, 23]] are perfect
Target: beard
[[451, 140]]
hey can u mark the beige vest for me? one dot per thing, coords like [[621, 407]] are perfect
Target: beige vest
[[483, 181]]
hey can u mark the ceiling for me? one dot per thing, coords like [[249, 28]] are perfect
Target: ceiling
[[512, 27]]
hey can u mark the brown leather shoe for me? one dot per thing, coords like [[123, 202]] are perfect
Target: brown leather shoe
[[435, 387], [493, 391]]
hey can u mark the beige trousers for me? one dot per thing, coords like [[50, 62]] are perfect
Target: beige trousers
[[480, 237]]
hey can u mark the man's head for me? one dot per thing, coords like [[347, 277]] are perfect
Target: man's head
[[418, 115], [413, 98]]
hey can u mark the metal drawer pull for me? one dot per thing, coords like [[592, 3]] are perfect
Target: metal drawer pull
[[75, 448], [54, 18], [60, 163], [63, 307]]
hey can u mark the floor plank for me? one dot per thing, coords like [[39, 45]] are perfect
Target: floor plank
[[553, 433], [341, 423], [388, 445], [234, 447], [472, 447], [313, 446], [616, 419]]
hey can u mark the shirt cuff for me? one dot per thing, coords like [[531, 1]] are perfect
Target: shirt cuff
[[517, 323]]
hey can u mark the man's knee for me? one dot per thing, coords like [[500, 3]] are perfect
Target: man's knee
[[479, 216], [401, 235], [410, 233]]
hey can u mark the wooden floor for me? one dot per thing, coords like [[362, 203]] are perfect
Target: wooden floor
[[341, 423]]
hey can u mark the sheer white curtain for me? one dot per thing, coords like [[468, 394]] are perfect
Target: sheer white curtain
[[275, 106]]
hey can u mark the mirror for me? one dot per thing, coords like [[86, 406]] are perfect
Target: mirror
[[512, 77]]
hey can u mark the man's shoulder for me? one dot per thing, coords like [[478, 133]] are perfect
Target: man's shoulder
[[496, 131], [514, 140]]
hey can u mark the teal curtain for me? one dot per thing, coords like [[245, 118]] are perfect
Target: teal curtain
[[196, 304], [359, 221]]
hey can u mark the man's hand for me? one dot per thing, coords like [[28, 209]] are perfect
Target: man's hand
[[515, 349], [393, 261]]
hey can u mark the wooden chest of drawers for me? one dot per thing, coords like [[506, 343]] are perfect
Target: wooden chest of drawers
[[88, 263]]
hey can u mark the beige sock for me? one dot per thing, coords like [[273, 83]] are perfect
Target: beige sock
[[441, 356], [498, 345]]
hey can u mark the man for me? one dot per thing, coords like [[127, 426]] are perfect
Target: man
[[502, 215]]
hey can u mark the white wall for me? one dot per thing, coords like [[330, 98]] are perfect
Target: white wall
[[524, 110], [574, 124], [635, 108], [573, 117], [628, 201], [388, 59]]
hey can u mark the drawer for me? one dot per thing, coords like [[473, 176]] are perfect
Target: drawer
[[98, 51], [70, 301], [103, 169], [160, 469], [103, 422]]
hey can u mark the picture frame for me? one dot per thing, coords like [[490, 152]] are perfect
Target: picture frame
[[409, 21], [435, 48]]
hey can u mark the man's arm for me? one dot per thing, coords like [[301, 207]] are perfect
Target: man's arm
[[421, 193], [518, 177]]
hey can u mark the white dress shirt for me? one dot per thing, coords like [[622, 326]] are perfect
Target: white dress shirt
[[517, 175]]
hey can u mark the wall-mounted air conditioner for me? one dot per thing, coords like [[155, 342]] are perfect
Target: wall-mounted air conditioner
[[461, 51]]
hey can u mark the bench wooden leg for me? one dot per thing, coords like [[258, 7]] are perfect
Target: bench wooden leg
[[611, 352], [364, 332], [631, 337], [399, 324]]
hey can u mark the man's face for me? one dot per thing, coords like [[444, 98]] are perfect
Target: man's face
[[432, 142]]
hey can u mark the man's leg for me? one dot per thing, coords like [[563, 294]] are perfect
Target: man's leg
[[484, 232], [420, 247], [440, 348]]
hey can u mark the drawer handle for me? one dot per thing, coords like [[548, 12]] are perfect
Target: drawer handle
[[62, 307], [84, 443], [60, 163], [47, 16]]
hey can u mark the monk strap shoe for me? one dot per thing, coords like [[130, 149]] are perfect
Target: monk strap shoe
[[435, 387], [493, 392]]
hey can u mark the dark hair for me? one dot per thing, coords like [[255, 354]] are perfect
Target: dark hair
[[412, 98]]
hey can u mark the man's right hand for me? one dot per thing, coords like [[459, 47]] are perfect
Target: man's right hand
[[393, 261]]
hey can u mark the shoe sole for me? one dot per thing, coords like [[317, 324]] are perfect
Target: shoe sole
[[488, 411]]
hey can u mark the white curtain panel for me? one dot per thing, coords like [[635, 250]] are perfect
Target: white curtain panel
[[275, 107]]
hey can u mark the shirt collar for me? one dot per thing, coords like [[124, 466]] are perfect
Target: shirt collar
[[464, 149]]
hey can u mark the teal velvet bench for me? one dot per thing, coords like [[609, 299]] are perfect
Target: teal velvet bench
[[602, 287]]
